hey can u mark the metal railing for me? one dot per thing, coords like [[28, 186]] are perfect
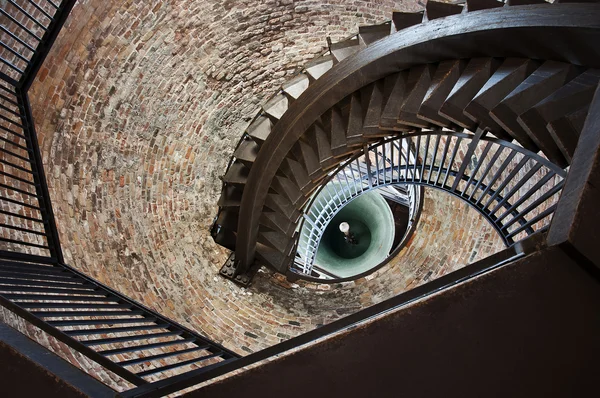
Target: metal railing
[[127, 338], [514, 189]]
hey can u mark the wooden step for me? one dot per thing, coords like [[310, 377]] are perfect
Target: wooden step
[[272, 258], [476, 74], [276, 107], [575, 1], [566, 131], [373, 100], [403, 20], [228, 218], [318, 67], [476, 5], [305, 154], [237, 174], [226, 238], [277, 240], [394, 101], [524, 2], [354, 117], [558, 111], [344, 49], [277, 222], [296, 172], [317, 138], [231, 196], [286, 187], [296, 86], [372, 33], [260, 129], [444, 79], [436, 9], [335, 127], [247, 152], [419, 80], [281, 204], [546, 79], [511, 73]]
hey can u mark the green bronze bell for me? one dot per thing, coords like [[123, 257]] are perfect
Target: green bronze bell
[[359, 237]]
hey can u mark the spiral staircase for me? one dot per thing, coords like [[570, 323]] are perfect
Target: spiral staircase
[[494, 122], [485, 100]]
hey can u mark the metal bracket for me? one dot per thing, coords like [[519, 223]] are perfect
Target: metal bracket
[[229, 271]]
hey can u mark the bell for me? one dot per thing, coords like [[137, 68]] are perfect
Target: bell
[[359, 237]]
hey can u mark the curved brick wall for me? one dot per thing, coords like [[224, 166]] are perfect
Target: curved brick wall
[[138, 108]]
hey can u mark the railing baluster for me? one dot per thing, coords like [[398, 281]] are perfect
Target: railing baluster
[[29, 16], [40, 9], [504, 165], [491, 163], [507, 180], [13, 20], [451, 162], [417, 150], [434, 157], [527, 195], [516, 187]]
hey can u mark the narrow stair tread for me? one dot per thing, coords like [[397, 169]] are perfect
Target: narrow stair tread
[[372, 33], [476, 74], [276, 106], [318, 67], [505, 79], [296, 86], [237, 174], [260, 129], [546, 79], [344, 49], [403, 20], [444, 79], [419, 80], [436, 9]]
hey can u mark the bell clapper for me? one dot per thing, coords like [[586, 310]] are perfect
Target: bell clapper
[[348, 236]]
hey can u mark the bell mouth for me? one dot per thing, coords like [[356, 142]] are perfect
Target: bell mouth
[[368, 242], [349, 247]]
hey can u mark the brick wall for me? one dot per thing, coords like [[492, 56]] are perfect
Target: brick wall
[[138, 108]]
